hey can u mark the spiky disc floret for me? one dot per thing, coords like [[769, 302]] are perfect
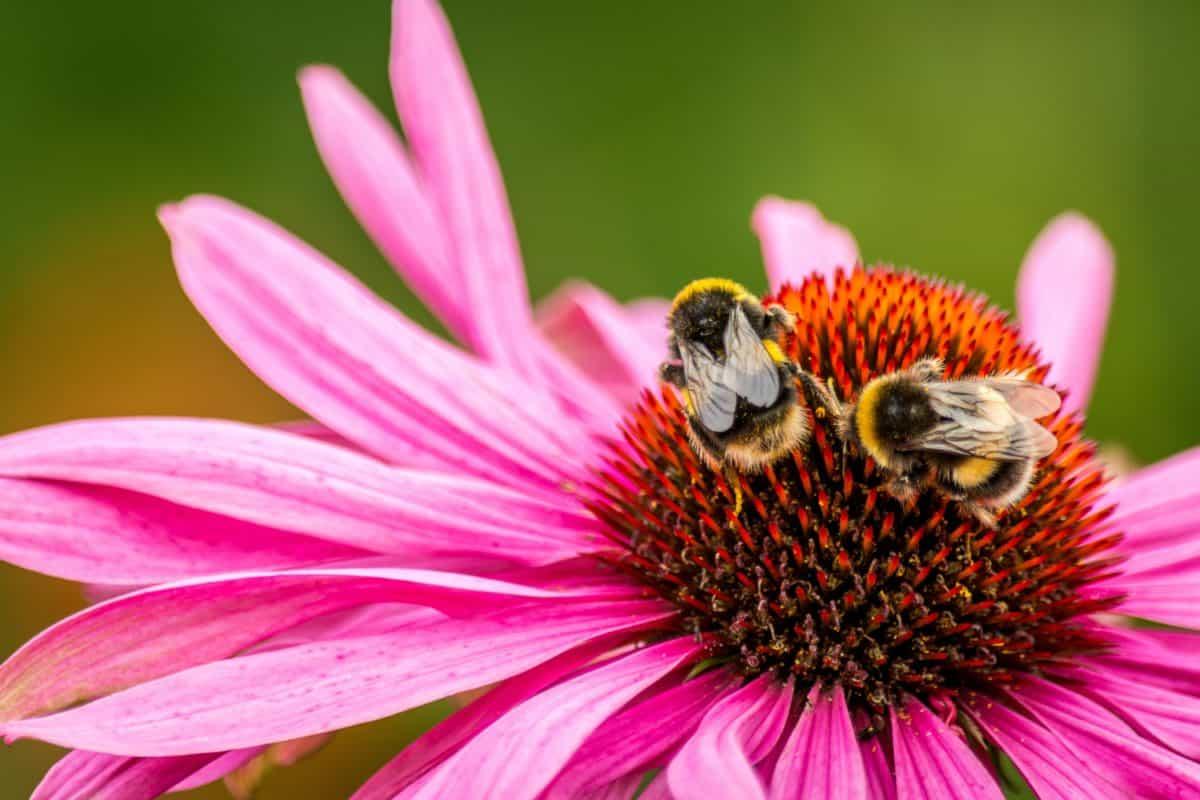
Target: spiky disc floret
[[824, 575]]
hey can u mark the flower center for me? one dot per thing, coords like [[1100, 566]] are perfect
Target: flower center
[[823, 575]]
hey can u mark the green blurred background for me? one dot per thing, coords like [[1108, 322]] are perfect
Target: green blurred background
[[635, 138]]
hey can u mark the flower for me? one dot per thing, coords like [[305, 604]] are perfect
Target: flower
[[463, 518]]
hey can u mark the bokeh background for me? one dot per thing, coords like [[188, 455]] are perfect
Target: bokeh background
[[635, 138]]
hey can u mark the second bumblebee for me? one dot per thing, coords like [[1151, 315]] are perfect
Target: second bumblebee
[[975, 439], [738, 386]]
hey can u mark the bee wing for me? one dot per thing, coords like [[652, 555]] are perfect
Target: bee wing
[[977, 420], [749, 369], [713, 401], [1025, 397]]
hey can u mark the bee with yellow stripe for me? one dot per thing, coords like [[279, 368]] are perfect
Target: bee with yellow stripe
[[975, 439], [738, 386]]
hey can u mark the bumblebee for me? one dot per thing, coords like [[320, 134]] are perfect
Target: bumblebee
[[974, 439], [739, 388]]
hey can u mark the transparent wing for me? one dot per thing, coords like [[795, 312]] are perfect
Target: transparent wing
[[1025, 397], [715, 403], [749, 369], [977, 420]]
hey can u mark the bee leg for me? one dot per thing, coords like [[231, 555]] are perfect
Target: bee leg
[[986, 518], [927, 369], [903, 487], [779, 320], [672, 374], [820, 396], [735, 483]]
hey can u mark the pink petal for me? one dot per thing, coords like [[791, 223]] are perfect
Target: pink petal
[[445, 130], [216, 770], [81, 775], [323, 341], [933, 762], [310, 429], [446, 133], [821, 759], [434, 746], [110, 536], [278, 479], [647, 316], [367, 162], [521, 753], [1050, 768], [633, 741], [1158, 510], [881, 782], [797, 241], [737, 733], [595, 332], [140, 636], [1063, 295], [323, 686], [1115, 752], [1172, 718], [1172, 599], [1170, 659]]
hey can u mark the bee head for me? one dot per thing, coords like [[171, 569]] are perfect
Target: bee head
[[701, 312]]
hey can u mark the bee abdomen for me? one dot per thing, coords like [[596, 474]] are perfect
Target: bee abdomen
[[993, 483]]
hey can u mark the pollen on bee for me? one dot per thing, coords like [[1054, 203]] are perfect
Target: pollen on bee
[[821, 573]]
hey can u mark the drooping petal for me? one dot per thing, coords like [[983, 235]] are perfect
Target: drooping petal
[[1114, 751], [81, 775], [325, 342], [110, 536], [435, 745], [737, 733], [445, 130], [821, 759], [797, 241], [273, 478], [596, 333], [323, 686], [1052, 770], [1063, 295], [368, 163], [933, 762], [633, 741], [143, 635], [521, 753]]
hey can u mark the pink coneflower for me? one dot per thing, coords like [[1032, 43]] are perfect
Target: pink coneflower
[[520, 515]]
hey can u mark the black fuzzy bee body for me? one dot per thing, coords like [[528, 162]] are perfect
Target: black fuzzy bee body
[[738, 387]]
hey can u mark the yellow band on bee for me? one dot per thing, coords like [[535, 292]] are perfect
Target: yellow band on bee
[[864, 421], [709, 285], [974, 472]]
